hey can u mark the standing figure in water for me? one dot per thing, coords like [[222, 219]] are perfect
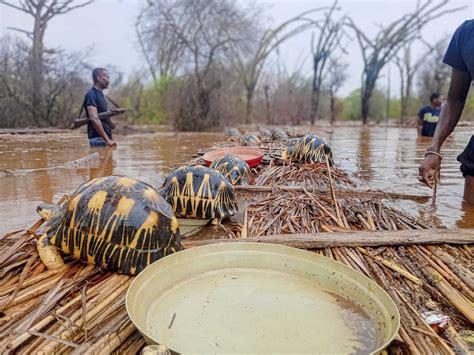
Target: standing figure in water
[[99, 130], [429, 115]]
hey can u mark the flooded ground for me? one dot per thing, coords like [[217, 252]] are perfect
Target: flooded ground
[[385, 158]]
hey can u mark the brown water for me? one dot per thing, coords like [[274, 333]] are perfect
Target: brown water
[[385, 158], [234, 310]]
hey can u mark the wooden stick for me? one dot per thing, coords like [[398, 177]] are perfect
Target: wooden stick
[[466, 275], [393, 267], [462, 305], [433, 199], [356, 239], [245, 226], [342, 193], [333, 195]]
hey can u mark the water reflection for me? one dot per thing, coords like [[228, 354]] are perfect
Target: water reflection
[[364, 155], [106, 167]]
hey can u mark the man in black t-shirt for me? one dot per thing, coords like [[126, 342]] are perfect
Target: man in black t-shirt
[[460, 57], [99, 131], [429, 115]]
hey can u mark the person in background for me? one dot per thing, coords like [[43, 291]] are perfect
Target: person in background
[[429, 115], [99, 131], [460, 57]]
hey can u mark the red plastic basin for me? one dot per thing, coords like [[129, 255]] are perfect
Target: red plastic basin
[[252, 156]]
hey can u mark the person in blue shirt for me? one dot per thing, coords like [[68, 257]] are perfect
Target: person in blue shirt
[[429, 115], [99, 131], [460, 57]]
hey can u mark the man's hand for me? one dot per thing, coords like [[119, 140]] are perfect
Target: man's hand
[[430, 163], [110, 143]]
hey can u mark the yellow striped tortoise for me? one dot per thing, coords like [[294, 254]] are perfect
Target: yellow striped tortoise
[[117, 223], [233, 168], [199, 192], [308, 149]]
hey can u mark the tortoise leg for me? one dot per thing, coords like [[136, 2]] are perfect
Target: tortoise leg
[[216, 221], [49, 254]]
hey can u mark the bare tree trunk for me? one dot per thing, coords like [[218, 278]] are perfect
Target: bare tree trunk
[[36, 64], [266, 89], [366, 95], [314, 105], [387, 112], [248, 109], [408, 95], [333, 106]]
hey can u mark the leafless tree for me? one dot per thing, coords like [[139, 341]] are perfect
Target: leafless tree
[[434, 75], [204, 31], [408, 69], [337, 75], [250, 60], [330, 36], [63, 85], [42, 11], [162, 47], [380, 50], [291, 96]]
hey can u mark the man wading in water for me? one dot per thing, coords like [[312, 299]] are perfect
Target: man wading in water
[[98, 129], [460, 57], [429, 115]]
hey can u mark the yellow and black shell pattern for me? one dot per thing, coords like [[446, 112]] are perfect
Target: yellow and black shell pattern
[[233, 168], [309, 149], [199, 192], [117, 223]]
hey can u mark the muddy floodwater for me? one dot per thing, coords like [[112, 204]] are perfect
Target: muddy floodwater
[[384, 158]]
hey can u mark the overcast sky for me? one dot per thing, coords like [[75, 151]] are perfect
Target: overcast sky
[[107, 25]]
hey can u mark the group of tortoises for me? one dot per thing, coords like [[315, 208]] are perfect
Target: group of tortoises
[[124, 224]]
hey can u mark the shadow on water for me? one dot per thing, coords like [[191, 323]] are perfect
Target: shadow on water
[[384, 158]]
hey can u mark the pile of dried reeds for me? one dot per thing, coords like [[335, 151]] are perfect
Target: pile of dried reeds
[[77, 308]]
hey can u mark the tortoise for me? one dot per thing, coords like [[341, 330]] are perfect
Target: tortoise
[[249, 139], [308, 149], [290, 131], [199, 192], [233, 168], [233, 132], [118, 223], [265, 134], [279, 134]]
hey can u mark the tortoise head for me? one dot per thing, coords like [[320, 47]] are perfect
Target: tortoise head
[[49, 211], [288, 149]]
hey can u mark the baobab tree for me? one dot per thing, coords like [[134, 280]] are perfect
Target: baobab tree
[[42, 11], [378, 51]]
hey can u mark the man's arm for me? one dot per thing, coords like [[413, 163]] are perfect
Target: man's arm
[[95, 120], [449, 118], [457, 94]]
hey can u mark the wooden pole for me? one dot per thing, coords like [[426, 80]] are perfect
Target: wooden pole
[[356, 239], [342, 193]]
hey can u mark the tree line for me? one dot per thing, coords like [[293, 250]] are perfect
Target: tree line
[[209, 63]]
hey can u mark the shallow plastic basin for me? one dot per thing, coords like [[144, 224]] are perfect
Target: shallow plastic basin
[[259, 298]]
